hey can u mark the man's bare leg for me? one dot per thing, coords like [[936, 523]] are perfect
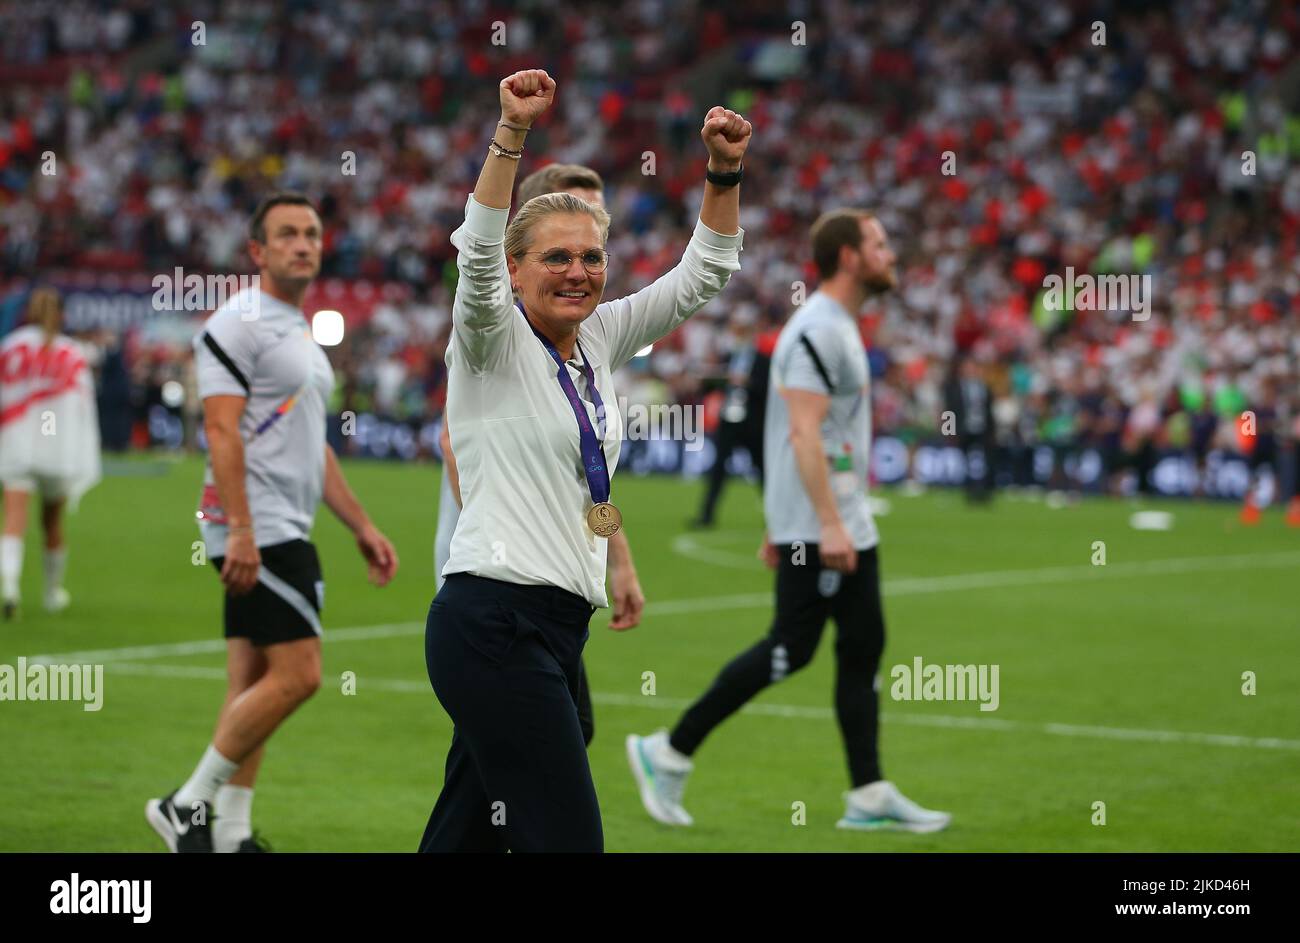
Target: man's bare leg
[[245, 666], [292, 676], [248, 717]]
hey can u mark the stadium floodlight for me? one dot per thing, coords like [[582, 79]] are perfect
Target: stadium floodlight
[[327, 328], [173, 394]]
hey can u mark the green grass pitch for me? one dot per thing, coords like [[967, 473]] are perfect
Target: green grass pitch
[[1119, 684]]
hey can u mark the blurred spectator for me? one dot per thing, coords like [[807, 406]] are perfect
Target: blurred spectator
[[996, 140], [970, 400]]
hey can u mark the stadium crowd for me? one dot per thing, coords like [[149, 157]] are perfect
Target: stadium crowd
[[999, 143]]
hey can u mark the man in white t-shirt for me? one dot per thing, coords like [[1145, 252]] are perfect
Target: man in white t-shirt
[[265, 384], [821, 539]]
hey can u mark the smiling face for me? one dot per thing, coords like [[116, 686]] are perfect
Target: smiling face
[[562, 301]]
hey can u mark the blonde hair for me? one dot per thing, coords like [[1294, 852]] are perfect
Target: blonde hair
[[46, 311], [520, 231]]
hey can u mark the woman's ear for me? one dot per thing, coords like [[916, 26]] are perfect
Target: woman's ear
[[513, 268]]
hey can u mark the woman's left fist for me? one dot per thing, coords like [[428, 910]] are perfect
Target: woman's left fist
[[726, 134]]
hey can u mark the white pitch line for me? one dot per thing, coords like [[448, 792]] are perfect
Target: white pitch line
[[1065, 574], [951, 721], [900, 586], [212, 645], [686, 545]]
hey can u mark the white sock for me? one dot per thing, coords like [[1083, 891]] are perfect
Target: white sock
[[211, 773], [56, 561], [868, 795], [234, 818], [672, 757], [11, 566]]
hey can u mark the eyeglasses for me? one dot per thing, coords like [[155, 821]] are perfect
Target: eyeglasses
[[558, 261]]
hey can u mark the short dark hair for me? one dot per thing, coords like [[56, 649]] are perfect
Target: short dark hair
[[553, 178], [257, 225], [833, 231]]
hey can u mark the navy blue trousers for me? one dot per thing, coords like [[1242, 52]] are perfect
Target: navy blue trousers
[[505, 662]]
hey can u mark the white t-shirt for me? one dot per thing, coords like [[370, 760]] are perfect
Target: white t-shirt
[[524, 493]]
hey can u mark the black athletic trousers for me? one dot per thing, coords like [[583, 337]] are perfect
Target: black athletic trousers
[[806, 596], [504, 661], [586, 716]]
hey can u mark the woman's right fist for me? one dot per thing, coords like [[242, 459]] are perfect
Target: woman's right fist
[[525, 95]]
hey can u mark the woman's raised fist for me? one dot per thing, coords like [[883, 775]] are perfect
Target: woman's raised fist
[[525, 95]]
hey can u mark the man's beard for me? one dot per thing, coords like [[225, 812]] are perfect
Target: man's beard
[[879, 284]]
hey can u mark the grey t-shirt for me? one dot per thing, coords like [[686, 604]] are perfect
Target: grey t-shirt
[[820, 350], [273, 360]]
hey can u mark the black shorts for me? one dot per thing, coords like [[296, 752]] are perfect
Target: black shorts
[[285, 603]]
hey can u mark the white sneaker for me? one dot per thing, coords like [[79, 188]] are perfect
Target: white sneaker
[[880, 806], [661, 777], [57, 599]]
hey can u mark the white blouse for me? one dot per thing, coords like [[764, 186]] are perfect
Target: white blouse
[[524, 493]]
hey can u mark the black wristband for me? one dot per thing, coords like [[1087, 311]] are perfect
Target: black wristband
[[724, 180]]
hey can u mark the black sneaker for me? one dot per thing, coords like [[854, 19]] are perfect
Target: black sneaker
[[182, 830], [8, 611], [254, 844]]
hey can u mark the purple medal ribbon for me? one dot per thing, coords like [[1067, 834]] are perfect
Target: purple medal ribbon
[[593, 451]]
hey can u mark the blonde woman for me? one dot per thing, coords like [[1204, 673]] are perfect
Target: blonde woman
[[536, 432], [626, 598], [49, 442]]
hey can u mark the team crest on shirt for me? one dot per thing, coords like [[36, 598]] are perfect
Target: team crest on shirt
[[828, 582]]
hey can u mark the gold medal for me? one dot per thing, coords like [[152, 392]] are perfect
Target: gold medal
[[604, 519]]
